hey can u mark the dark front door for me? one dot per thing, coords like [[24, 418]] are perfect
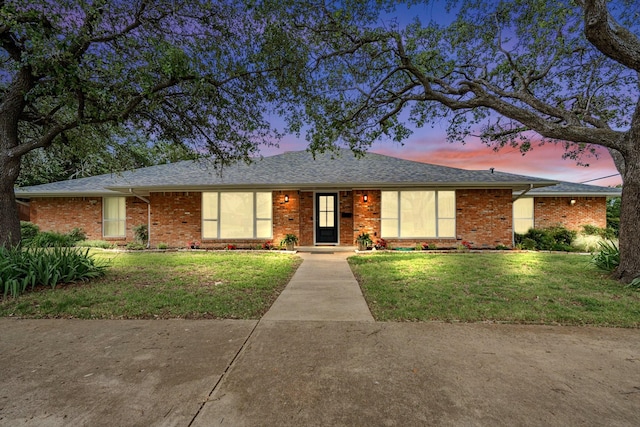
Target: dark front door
[[326, 218]]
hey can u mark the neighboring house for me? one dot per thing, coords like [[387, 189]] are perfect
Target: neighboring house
[[328, 200]]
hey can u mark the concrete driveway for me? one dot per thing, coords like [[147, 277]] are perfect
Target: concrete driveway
[[316, 358], [315, 373]]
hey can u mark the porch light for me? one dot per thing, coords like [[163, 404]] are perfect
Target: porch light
[[286, 198], [365, 198], [572, 202]]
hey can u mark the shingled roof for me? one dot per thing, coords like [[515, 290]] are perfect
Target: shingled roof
[[573, 189], [291, 170]]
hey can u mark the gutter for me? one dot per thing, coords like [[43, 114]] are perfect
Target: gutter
[[148, 202]]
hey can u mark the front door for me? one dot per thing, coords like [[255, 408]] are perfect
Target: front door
[[326, 218]]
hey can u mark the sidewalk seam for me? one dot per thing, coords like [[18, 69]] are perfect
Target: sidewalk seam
[[224, 373]]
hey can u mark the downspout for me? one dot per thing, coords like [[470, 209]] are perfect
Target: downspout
[[148, 202], [523, 193], [513, 233]]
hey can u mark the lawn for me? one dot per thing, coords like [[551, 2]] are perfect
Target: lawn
[[229, 285], [535, 288]]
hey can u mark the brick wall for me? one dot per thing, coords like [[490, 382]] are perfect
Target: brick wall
[[550, 211], [366, 215], [63, 214], [176, 218], [306, 218], [286, 215], [346, 218], [484, 217]]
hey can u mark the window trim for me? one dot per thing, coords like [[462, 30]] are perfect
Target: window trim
[[398, 217], [110, 220], [254, 215]]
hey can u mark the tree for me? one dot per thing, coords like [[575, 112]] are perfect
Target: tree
[[109, 152], [512, 72], [198, 73]]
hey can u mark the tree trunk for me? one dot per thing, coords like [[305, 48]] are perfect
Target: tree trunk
[[629, 267], [9, 217]]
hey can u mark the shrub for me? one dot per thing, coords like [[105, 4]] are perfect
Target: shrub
[[141, 233], [22, 269], [609, 256], [528, 244], [163, 245], [592, 230], [77, 235], [502, 248], [52, 239], [103, 244], [135, 246], [28, 231], [556, 238]]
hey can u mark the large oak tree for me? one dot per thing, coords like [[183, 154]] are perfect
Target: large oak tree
[[196, 72], [512, 72]]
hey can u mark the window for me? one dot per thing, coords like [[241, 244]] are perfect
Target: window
[[522, 215], [236, 215], [412, 214], [113, 216]]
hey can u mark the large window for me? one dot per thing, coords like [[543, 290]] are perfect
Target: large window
[[413, 214], [523, 215], [113, 216], [236, 215]]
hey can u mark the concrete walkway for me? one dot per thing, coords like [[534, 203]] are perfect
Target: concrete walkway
[[323, 288]]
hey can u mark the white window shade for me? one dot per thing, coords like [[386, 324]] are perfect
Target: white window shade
[[522, 215], [237, 215], [114, 213], [418, 214]]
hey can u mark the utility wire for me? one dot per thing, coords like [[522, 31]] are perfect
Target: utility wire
[[598, 179]]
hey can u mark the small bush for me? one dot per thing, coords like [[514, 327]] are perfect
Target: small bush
[[52, 239], [162, 245], [528, 244], [77, 235], [24, 269], [141, 233], [28, 231], [103, 244], [592, 230], [556, 238], [135, 246], [502, 248], [609, 256]]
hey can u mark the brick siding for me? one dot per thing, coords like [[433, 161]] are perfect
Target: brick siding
[[63, 214], [550, 211], [483, 217]]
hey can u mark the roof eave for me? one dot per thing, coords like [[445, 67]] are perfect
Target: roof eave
[[349, 185]]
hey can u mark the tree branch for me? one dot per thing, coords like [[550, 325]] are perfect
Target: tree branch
[[609, 37]]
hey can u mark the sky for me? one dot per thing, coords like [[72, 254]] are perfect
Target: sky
[[429, 144]]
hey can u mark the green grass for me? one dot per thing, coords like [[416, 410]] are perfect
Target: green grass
[[166, 285], [534, 288]]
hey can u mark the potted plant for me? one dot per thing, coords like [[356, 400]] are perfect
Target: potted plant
[[289, 241], [363, 241]]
